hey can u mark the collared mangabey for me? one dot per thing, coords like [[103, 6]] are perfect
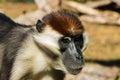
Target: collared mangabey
[[46, 51]]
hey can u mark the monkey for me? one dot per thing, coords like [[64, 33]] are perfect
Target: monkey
[[48, 50]]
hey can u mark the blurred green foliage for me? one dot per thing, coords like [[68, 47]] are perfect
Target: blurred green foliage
[[16, 0]]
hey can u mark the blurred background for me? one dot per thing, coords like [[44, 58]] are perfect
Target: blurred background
[[101, 19]]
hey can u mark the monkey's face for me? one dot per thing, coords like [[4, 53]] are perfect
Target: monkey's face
[[67, 48], [66, 31], [71, 48]]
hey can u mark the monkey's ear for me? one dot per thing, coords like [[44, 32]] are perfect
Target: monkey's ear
[[39, 25]]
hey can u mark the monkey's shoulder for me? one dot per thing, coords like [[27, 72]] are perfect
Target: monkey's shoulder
[[5, 20], [7, 26]]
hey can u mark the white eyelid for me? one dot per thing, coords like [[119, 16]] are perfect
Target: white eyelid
[[69, 38]]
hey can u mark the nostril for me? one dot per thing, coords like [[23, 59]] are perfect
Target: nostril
[[62, 50], [78, 57]]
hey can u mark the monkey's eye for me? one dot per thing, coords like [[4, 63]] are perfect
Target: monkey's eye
[[66, 39]]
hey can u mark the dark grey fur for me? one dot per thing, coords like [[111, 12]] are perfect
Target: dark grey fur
[[11, 36]]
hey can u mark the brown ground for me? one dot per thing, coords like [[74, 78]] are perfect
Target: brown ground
[[13, 10], [104, 43]]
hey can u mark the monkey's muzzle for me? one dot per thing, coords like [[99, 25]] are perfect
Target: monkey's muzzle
[[73, 59]]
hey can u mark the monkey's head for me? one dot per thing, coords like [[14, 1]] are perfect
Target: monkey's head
[[62, 35]]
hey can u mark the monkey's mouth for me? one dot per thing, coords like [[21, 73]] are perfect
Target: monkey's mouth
[[74, 71]]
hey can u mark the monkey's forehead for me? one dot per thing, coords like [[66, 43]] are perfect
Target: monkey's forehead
[[64, 22]]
